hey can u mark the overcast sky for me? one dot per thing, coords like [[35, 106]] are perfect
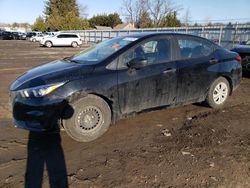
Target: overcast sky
[[28, 10]]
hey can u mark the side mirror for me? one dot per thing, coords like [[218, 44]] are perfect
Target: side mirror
[[137, 63], [243, 43]]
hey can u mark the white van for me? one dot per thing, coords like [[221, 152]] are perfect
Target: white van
[[62, 39]]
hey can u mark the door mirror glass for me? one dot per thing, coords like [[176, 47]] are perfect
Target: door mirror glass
[[137, 63]]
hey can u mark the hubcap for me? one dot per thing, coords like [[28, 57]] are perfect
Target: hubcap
[[89, 118], [220, 93], [48, 44]]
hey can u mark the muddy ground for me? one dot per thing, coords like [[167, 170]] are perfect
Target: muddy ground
[[190, 146]]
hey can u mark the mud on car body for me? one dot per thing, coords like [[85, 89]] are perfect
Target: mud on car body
[[123, 76]]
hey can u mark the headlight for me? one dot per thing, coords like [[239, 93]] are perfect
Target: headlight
[[40, 91]]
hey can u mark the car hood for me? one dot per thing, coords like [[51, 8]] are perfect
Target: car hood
[[241, 49], [56, 71]]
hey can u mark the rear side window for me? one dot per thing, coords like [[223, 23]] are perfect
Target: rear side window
[[194, 48], [155, 50], [62, 36], [73, 36]]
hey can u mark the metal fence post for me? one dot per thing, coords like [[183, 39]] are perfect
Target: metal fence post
[[95, 36], [220, 36], [84, 36]]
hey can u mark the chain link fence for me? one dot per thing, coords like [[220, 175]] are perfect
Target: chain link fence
[[227, 35]]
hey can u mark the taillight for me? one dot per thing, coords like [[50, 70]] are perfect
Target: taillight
[[238, 58]]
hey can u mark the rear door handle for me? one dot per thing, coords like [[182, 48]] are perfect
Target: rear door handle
[[169, 70], [213, 60]]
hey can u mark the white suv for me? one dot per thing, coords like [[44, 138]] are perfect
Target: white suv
[[62, 39]]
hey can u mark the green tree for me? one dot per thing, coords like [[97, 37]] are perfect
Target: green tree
[[39, 25], [144, 20], [61, 7], [15, 24], [114, 19], [171, 20], [63, 15], [110, 20]]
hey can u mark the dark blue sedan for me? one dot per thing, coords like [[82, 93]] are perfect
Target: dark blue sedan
[[123, 76]]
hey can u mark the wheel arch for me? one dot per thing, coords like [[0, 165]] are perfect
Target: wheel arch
[[48, 41], [229, 79], [80, 94]]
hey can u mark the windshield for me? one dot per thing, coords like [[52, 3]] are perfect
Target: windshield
[[101, 51]]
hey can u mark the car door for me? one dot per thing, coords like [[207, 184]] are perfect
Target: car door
[[152, 85], [57, 40], [68, 40], [60, 40], [194, 57]]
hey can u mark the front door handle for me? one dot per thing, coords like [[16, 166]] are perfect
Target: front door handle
[[169, 70], [213, 60]]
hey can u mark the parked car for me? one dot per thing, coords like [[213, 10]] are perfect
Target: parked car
[[18, 35], [62, 39], [31, 34], [120, 77], [38, 37], [23, 36], [5, 35], [244, 51]]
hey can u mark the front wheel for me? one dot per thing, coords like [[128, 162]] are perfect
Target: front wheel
[[91, 119], [74, 44], [48, 44], [218, 93]]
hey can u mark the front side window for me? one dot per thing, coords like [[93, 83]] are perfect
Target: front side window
[[60, 36], [102, 50], [248, 42], [156, 50], [194, 48]]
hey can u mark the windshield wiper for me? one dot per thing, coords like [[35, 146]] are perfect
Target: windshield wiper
[[70, 60]]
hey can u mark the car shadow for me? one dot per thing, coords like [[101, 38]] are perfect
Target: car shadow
[[45, 152]]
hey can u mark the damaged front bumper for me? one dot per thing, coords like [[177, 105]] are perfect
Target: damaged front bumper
[[37, 114]]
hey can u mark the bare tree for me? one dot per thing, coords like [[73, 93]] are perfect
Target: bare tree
[[158, 9], [133, 9], [83, 10], [128, 10], [187, 17]]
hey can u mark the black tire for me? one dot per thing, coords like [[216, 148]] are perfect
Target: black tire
[[74, 44], [48, 44], [218, 93], [90, 120]]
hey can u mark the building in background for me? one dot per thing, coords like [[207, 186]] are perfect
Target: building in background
[[126, 26]]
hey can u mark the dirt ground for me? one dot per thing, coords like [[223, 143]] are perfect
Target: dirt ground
[[190, 146]]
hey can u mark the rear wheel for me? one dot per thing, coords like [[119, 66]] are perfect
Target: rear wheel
[[74, 44], [218, 93], [33, 40], [90, 120], [48, 44]]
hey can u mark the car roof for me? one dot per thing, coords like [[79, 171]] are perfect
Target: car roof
[[69, 33], [150, 34]]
